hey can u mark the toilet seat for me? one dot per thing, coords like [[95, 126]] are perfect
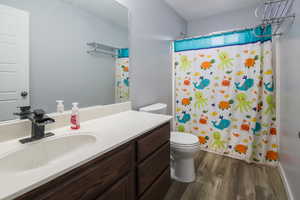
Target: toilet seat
[[184, 140], [184, 146]]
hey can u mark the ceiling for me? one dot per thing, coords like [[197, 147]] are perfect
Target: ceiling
[[110, 10], [196, 9]]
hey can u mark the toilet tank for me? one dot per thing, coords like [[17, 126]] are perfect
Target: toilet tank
[[158, 108]]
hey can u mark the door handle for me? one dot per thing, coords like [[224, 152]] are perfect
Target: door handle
[[24, 94]]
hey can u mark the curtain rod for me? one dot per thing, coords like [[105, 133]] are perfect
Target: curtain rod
[[216, 32]]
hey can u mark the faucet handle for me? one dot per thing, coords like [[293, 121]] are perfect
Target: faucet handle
[[24, 108], [24, 112], [39, 113], [41, 119]]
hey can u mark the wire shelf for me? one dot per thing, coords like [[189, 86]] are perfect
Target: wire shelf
[[278, 14], [97, 48]]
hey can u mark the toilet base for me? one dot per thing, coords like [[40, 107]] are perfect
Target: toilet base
[[183, 170]]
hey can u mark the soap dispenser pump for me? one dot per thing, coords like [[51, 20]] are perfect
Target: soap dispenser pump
[[75, 124], [60, 108]]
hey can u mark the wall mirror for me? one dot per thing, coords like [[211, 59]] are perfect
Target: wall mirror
[[70, 50]]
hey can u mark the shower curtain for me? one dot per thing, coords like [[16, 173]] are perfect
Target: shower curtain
[[225, 94], [122, 76]]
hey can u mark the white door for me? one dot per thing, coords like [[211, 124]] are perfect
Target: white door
[[14, 60]]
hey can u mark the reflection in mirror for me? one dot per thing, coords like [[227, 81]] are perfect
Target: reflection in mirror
[[70, 50]]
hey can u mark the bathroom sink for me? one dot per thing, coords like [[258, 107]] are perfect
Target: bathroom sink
[[42, 153]]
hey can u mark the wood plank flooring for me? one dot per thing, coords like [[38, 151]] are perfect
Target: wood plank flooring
[[224, 178]]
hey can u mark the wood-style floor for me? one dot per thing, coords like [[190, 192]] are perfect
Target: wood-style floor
[[224, 178]]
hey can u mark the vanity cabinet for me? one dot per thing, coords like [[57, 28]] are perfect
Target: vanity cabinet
[[139, 169]]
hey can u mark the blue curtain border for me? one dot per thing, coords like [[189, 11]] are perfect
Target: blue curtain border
[[245, 36], [123, 53]]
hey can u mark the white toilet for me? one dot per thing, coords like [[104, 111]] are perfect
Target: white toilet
[[183, 148]]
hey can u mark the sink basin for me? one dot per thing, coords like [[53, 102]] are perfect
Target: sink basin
[[42, 153]]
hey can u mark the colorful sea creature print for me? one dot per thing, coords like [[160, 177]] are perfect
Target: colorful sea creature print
[[185, 63], [202, 83], [225, 105], [187, 82], [181, 128], [268, 72], [203, 120], [225, 60], [269, 86], [272, 156], [207, 64], [257, 128], [203, 139], [218, 143], [126, 81], [243, 105], [240, 73], [226, 83], [200, 100], [226, 97], [250, 62], [223, 124], [186, 101], [185, 118], [245, 127], [241, 148], [125, 68], [271, 105], [273, 131], [248, 83]]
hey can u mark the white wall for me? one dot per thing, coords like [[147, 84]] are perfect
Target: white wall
[[237, 19], [152, 25], [60, 67], [290, 104]]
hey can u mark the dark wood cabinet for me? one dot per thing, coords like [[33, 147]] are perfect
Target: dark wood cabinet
[[122, 190], [135, 170], [149, 170], [151, 141], [159, 188]]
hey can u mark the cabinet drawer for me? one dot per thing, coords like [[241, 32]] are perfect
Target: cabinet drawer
[[151, 168], [88, 181], [122, 190], [152, 141], [159, 188]]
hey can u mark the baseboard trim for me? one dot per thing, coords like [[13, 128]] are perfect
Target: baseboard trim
[[285, 182]]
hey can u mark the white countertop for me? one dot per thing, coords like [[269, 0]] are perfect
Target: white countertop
[[110, 131]]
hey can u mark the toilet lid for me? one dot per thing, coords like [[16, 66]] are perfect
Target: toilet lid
[[183, 138]]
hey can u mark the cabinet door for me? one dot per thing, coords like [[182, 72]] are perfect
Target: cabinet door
[[149, 170], [122, 190]]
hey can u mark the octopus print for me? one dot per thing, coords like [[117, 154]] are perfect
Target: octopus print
[[200, 100], [243, 105], [218, 143], [185, 63], [225, 60], [271, 105]]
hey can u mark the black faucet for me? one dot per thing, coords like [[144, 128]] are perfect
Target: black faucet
[[38, 120]]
